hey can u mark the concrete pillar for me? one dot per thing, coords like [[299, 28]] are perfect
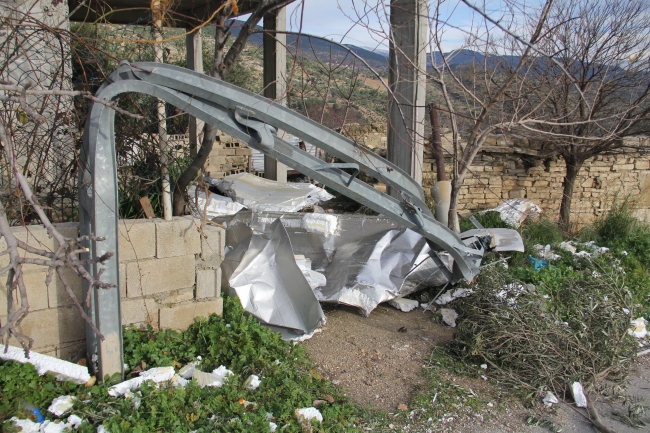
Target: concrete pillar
[[275, 74], [407, 80], [194, 45]]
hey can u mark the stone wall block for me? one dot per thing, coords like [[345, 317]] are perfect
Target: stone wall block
[[137, 239], [148, 277], [53, 326], [139, 310], [208, 283], [178, 237], [57, 293], [182, 316], [213, 243]]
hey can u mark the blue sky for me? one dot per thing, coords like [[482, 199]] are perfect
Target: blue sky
[[336, 20]]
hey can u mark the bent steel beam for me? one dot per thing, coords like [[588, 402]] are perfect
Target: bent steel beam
[[253, 120]]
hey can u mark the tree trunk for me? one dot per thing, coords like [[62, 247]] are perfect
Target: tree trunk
[[573, 166], [209, 132]]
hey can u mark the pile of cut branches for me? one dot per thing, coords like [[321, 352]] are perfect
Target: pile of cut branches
[[549, 336]]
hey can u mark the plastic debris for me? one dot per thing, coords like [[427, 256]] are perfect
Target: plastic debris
[[74, 421], [484, 366], [308, 413], [27, 425], [253, 382], [217, 378], [517, 210], [404, 304], [545, 252], [54, 426], [538, 264], [187, 370], [449, 316], [578, 394], [260, 194], [510, 292], [638, 328], [452, 294], [272, 426], [102, 429], [157, 375], [63, 370], [61, 405], [550, 399], [217, 205]]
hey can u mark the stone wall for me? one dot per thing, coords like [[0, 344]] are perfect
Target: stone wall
[[504, 170], [169, 274]]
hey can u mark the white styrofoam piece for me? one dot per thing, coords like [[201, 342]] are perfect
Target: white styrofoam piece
[[578, 394], [157, 375], [63, 370], [253, 382], [61, 405], [218, 205], [27, 425], [449, 316], [308, 413], [404, 304]]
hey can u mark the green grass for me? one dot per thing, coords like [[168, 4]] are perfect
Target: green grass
[[236, 340]]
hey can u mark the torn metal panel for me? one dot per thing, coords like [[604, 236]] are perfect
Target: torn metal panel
[[500, 239], [259, 194], [271, 286], [365, 260]]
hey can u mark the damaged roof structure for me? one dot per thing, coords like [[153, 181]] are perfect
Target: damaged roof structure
[[365, 260]]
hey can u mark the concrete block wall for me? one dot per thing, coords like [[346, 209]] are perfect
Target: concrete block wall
[[169, 275], [228, 156]]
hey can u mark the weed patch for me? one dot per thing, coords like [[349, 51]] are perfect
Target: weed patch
[[236, 340]]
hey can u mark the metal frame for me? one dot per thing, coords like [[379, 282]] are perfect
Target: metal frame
[[253, 120]]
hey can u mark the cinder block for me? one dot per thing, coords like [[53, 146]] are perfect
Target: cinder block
[[139, 310], [179, 297], [178, 237], [182, 316], [147, 277], [69, 230], [34, 236], [54, 326], [57, 294], [213, 243], [36, 288], [208, 283], [137, 239], [122, 281]]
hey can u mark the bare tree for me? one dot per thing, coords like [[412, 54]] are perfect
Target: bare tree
[[222, 63], [597, 97], [489, 88]]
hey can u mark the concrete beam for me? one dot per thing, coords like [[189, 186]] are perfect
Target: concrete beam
[[194, 45], [407, 80], [275, 74]]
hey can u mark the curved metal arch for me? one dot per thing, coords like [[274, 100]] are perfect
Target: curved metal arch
[[252, 120]]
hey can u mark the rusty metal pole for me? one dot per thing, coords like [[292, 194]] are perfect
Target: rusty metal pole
[[436, 142]]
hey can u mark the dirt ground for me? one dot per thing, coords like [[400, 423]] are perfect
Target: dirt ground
[[378, 362]]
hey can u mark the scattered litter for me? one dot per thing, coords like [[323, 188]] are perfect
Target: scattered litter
[[273, 426], [179, 381], [187, 370], [54, 426], [102, 429], [550, 399], [452, 294], [134, 396], [638, 328], [63, 370], [500, 239], [74, 421], [217, 206], [217, 378], [578, 394], [27, 426], [538, 264], [259, 194], [449, 316], [253, 382], [517, 210], [402, 329], [404, 304], [484, 366], [402, 407], [157, 375], [545, 252], [566, 246], [308, 413], [61, 405], [510, 292]]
